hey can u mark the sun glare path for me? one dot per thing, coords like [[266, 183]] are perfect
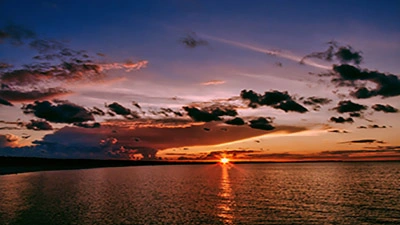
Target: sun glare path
[[224, 160]]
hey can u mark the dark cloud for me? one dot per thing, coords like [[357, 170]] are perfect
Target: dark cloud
[[16, 95], [5, 102], [39, 125], [236, 121], [355, 114], [147, 153], [354, 152], [341, 119], [38, 73], [387, 85], [166, 112], [373, 126], [210, 113], [136, 105], [338, 131], [275, 99], [102, 142], [361, 141], [200, 115], [15, 34], [97, 111], [55, 66], [221, 111], [46, 46], [349, 106], [192, 41], [121, 110], [316, 102], [88, 125], [5, 66], [291, 105], [59, 112], [384, 108], [344, 54], [262, 123]]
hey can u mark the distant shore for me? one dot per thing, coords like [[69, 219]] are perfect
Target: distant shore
[[15, 165]]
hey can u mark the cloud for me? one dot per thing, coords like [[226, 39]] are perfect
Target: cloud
[[39, 73], [344, 54], [200, 115], [15, 34], [278, 53], [8, 140], [192, 41], [121, 110], [5, 102], [377, 153], [210, 113], [387, 85], [136, 105], [39, 125], [5, 66], [46, 46], [355, 114], [376, 126], [166, 112], [373, 126], [384, 108], [316, 102], [341, 120], [55, 66], [213, 82], [275, 99], [235, 121], [262, 123], [88, 125], [97, 111], [120, 140], [349, 106], [361, 141], [338, 131], [59, 112], [128, 66], [290, 105], [16, 95]]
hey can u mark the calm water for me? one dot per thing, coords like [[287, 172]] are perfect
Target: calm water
[[308, 193]]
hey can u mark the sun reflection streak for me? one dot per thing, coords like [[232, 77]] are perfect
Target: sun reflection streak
[[226, 196]]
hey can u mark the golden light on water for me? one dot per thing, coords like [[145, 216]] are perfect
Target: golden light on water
[[224, 160]]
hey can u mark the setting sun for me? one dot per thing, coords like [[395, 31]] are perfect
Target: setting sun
[[224, 160]]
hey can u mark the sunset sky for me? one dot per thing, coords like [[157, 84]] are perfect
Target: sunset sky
[[198, 80]]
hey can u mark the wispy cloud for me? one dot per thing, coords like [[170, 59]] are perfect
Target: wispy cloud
[[278, 53], [213, 82]]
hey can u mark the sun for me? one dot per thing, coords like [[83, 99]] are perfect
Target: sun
[[224, 160]]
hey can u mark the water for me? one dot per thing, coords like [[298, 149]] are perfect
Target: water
[[304, 193]]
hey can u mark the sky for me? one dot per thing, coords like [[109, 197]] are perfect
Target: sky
[[200, 80]]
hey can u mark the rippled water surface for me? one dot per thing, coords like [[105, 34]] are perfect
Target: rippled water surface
[[304, 193]]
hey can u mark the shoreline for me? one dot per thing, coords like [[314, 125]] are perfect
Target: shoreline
[[17, 165]]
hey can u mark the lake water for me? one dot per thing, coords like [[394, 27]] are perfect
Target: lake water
[[304, 193]]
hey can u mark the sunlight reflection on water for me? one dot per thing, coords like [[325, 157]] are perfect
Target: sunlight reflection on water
[[306, 193], [226, 196]]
